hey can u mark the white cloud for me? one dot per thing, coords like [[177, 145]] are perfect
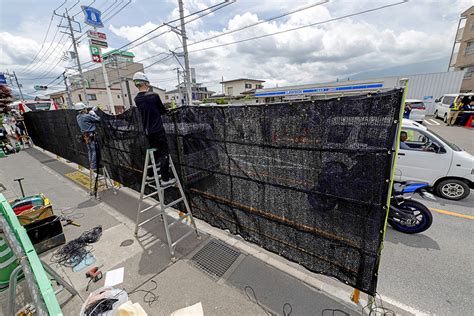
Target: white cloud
[[410, 33]]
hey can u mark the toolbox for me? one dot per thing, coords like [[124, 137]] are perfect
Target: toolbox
[[46, 233]]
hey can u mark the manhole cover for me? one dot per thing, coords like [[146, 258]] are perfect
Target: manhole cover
[[215, 258]]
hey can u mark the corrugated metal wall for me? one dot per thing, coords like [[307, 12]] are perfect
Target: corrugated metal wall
[[429, 87]]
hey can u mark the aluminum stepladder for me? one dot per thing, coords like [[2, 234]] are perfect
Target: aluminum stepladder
[[154, 183], [101, 175]]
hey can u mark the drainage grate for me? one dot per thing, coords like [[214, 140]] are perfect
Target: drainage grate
[[215, 258]]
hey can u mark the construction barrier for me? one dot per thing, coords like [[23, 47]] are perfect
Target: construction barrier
[[308, 180]]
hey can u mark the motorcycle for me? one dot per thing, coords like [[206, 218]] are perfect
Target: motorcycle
[[407, 215]]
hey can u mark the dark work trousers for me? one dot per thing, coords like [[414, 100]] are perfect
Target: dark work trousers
[[161, 154]]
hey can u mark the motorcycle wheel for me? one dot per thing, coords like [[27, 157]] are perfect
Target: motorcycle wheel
[[421, 213]]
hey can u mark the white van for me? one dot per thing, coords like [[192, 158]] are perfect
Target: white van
[[418, 110], [427, 157], [443, 104]]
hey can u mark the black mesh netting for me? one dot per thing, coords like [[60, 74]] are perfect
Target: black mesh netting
[[307, 180]]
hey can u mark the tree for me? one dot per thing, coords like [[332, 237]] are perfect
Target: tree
[[5, 98]]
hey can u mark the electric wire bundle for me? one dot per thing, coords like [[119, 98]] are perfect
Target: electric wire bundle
[[71, 254]]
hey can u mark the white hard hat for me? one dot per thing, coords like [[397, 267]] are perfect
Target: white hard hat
[[140, 76]]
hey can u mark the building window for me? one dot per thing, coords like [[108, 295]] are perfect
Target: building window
[[230, 91], [258, 86], [469, 48], [92, 97], [92, 80], [248, 86], [80, 97], [118, 96], [468, 73]]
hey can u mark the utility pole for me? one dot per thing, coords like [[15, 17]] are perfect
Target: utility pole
[[71, 33], [116, 61], [107, 86], [69, 96], [180, 96], [19, 86], [187, 74]]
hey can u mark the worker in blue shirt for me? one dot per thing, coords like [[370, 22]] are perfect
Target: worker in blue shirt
[[87, 121]]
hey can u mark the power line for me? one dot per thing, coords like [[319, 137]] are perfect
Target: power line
[[45, 53], [80, 11], [261, 22], [48, 55], [301, 27], [172, 21], [57, 63], [211, 8], [117, 12], [198, 17], [44, 39]]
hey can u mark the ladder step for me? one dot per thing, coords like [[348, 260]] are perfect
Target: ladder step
[[149, 207], [174, 202], [150, 195], [182, 237], [151, 218], [180, 219], [151, 166], [151, 185]]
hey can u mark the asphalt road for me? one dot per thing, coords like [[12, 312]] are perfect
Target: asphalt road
[[433, 272], [463, 137]]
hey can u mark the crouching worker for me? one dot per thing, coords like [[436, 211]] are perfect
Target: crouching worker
[[151, 109], [87, 120]]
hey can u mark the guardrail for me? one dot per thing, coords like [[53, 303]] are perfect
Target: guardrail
[[36, 278]]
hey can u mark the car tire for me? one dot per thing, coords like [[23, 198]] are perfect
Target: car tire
[[452, 189], [445, 119], [436, 114]]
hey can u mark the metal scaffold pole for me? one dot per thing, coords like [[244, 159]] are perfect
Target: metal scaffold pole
[[69, 96]]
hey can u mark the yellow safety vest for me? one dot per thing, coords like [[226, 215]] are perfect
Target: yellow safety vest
[[457, 106]]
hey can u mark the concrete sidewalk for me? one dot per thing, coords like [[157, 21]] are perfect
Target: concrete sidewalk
[[254, 281]]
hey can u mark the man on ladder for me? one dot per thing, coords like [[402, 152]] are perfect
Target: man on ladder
[[151, 109]]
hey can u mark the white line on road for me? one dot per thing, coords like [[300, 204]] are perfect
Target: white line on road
[[431, 122]]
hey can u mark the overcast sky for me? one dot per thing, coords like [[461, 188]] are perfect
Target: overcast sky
[[408, 33]]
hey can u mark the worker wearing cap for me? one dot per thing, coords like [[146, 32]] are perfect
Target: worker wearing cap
[[151, 110], [87, 120]]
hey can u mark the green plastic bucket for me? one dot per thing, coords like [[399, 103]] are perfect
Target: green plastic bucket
[[7, 263]]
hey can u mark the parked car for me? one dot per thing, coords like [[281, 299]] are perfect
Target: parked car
[[32, 105], [418, 110], [428, 157], [443, 104]]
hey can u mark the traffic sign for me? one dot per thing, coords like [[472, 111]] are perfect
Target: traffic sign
[[3, 79], [97, 35], [94, 50], [92, 16], [96, 58], [102, 44]]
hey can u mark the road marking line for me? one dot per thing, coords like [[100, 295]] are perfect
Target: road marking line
[[452, 213], [435, 122], [429, 123]]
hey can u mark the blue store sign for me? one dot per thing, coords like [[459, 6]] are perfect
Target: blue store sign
[[92, 16]]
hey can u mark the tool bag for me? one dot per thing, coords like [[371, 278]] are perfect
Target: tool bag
[[34, 214], [32, 208], [46, 233]]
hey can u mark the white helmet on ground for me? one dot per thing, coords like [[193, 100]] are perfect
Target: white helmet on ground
[[140, 77]]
